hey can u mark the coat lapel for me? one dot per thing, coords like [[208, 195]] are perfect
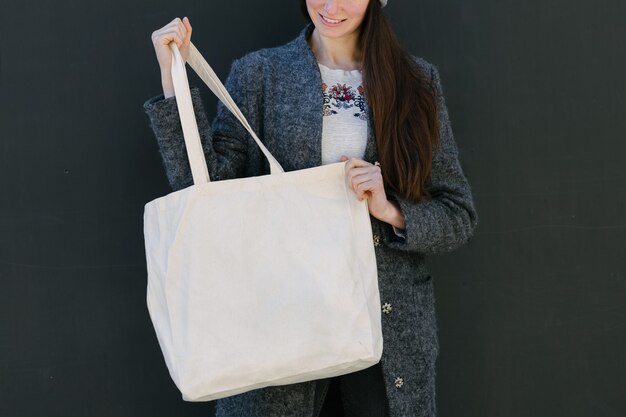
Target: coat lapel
[[311, 80]]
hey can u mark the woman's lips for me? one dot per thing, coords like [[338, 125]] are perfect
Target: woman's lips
[[331, 22]]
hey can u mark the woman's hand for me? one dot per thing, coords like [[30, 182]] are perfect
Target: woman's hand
[[366, 180], [178, 31]]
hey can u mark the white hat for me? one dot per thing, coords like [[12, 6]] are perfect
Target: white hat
[[383, 2]]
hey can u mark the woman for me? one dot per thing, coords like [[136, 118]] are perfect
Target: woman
[[344, 90]]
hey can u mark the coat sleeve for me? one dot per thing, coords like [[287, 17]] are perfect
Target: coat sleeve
[[448, 219], [225, 143]]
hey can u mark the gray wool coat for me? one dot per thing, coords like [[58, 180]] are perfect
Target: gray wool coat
[[279, 91]]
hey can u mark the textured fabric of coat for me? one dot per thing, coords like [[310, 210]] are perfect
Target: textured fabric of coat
[[279, 91]]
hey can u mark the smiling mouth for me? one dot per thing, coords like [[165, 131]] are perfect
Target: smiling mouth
[[331, 21]]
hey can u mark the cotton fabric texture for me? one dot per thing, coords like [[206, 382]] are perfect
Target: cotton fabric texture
[[237, 314], [262, 84], [344, 131]]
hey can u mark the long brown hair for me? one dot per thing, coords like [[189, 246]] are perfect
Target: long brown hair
[[403, 104]]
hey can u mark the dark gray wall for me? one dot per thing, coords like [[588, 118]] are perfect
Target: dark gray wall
[[532, 314]]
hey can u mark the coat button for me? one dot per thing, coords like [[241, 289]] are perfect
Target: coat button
[[399, 382], [387, 308], [376, 240]]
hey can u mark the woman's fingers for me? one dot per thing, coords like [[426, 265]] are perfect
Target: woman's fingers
[[176, 31], [354, 162], [168, 37], [362, 184], [187, 26], [365, 189], [366, 180], [363, 177], [358, 167], [179, 32], [372, 171]]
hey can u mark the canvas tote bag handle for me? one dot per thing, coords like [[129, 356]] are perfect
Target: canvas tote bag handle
[[193, 144]]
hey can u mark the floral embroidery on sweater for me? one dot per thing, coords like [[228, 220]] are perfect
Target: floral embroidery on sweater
[[342, 97]]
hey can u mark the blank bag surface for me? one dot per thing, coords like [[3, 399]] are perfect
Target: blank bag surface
[[258, 281]]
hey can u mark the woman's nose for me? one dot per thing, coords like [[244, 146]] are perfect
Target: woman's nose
[[331, 6]]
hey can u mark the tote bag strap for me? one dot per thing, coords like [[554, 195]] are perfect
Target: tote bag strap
[[193, 144]]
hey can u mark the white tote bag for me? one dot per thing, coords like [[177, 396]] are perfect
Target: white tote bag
[[259, 281]]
